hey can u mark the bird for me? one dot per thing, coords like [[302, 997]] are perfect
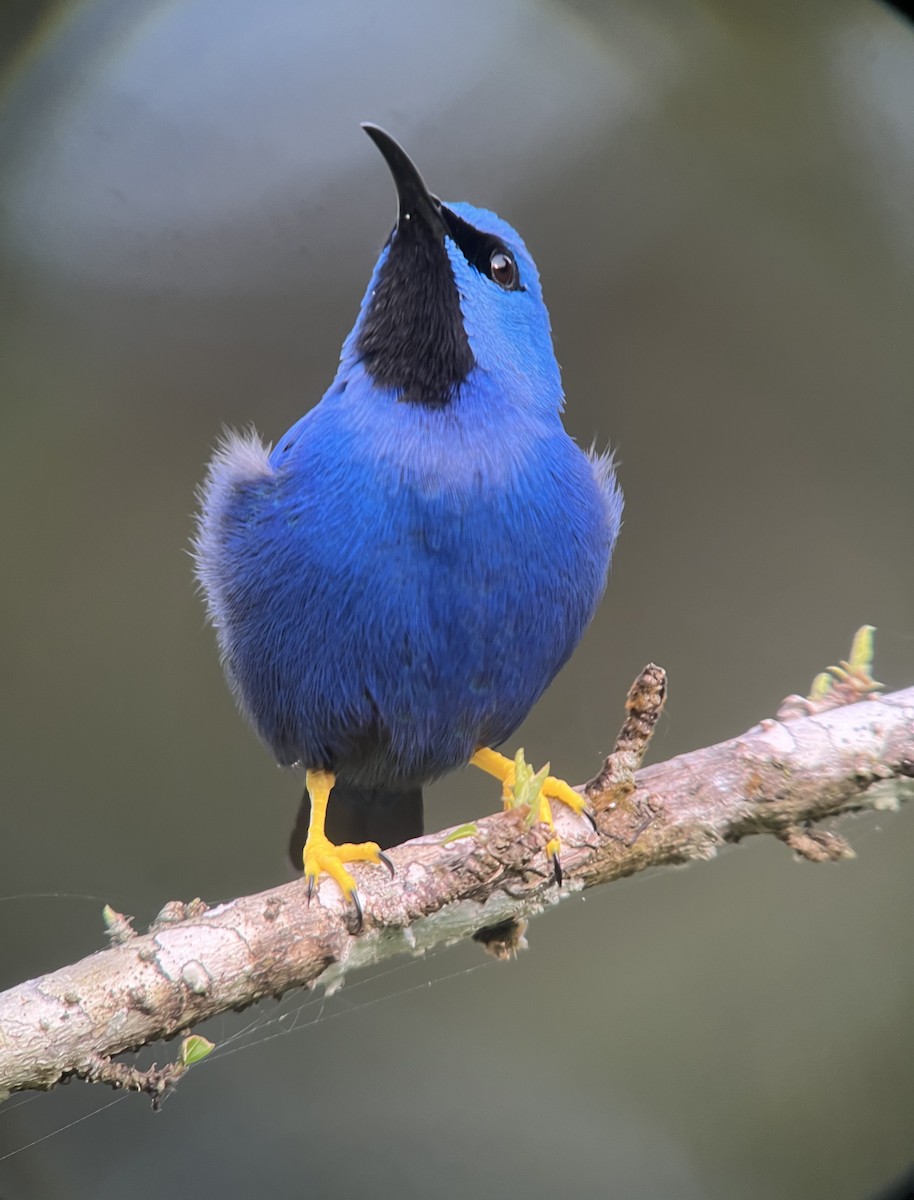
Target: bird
[[395, 583]]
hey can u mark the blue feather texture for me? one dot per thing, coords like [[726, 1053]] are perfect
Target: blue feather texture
[[396, 583]]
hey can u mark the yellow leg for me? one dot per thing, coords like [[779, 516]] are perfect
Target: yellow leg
[[320, 854], [502, 768]]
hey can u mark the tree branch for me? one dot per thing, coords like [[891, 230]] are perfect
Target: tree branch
[[782, 777]]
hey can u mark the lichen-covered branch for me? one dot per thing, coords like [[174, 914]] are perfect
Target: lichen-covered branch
[[824, 758]]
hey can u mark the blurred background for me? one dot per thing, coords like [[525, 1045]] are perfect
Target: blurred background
[[718, 195]]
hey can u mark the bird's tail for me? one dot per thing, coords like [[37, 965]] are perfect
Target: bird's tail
[[357, 814]]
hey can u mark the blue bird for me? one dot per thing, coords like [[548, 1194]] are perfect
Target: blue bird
[[395, 584]]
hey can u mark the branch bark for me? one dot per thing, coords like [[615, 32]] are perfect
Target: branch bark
[[782, 777]]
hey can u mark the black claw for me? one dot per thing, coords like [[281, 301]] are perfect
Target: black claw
[[387, 863], [357, 905], [585, 812], [557, 869], [310, 887]]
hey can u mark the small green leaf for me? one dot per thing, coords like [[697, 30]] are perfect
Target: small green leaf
[[861, 658], [821, 686], [194, 1049], [461, 831], [532, 792], [110, 917], [527, 783], [523, 773]]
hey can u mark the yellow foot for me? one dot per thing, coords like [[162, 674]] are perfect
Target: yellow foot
[[321, 856], [519, 786]]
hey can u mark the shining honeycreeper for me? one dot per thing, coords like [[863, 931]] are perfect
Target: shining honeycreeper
[[397, 581]]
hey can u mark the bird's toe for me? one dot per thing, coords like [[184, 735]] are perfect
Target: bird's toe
[[322, 857]]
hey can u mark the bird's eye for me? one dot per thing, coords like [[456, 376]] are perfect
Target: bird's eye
[[503, 269]]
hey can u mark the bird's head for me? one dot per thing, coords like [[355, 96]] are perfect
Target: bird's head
[[454, 303]]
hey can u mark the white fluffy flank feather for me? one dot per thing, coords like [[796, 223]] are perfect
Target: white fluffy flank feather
[[239, 459]]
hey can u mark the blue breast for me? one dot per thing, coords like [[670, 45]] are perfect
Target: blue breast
[[398, 585]]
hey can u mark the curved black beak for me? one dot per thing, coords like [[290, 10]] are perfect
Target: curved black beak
[[415, 200]]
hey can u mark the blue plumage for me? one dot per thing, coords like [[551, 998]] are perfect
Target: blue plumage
[[398, 580]]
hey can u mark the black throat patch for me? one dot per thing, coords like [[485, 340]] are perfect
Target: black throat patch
[[412, 338]]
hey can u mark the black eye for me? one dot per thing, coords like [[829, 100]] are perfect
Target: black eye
[[503, 269]]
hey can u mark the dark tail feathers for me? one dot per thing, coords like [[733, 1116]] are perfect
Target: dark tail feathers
[[362, 815]]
